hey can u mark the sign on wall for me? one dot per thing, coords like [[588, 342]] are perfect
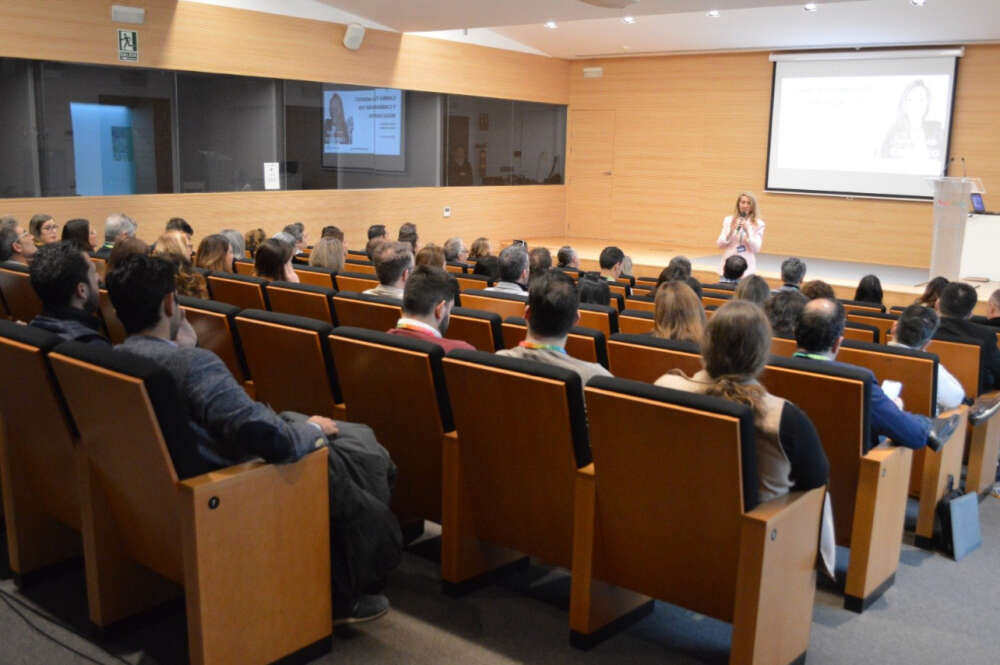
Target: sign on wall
[[128, 45]]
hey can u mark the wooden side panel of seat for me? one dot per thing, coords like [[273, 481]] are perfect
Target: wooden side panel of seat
[[859, 335], [214, 333], [501, 306], [288, 367], [648, 363], [355, 284], [22, 301], [962, 360], [510, 485], [883, 325], [315, 278], [477, 332], [116, 331], [619, 289], [363, 314], [578, 346], [639, 305], [300, 303], [407, 422], [936, 470], [709, 290], [245, 295], [635, 324], [588, 319], [984, 450]]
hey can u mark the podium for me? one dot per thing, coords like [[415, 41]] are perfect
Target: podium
[[951, 212]]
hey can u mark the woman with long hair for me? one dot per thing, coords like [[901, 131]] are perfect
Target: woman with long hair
[[252, 240], [274, 261], [754, 289], [869, 290], [679, 313], [742, 232], [480, 248], [44, 229], [932, 292], [214, 253], [328, 253], [173, 246], [81, 233]]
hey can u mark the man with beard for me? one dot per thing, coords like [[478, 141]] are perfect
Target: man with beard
[[66, 283], [428, 298]]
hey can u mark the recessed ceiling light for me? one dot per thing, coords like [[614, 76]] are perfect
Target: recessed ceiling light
[[810, 7], [713, 13], [917, 3], [551, 25], [628, 19], [626, 48]]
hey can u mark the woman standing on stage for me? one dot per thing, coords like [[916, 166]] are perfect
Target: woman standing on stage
[[742, 233]]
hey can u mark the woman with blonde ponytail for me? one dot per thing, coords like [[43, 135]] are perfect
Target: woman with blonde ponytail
[[734, 348]]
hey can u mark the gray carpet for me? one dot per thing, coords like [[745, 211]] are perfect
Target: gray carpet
[[939, 611]]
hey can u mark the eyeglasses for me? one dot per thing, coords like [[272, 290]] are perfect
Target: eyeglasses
[[50, 227]]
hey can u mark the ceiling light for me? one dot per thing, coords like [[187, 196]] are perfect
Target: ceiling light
[[626, 48], [551, 25], [628, 19], [713, 13], [810, 7], [917, 3], [610, 4]]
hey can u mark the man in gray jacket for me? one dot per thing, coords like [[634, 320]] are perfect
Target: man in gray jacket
[[365, 539]]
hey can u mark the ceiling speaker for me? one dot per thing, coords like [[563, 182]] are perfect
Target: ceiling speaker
[[354, 35]]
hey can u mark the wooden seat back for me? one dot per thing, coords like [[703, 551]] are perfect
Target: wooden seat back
[[479, 328], [314, 276], [243, 291], [583, 343], [883, 322], [112, 325], [636, 322], [290, 362], [215, 324], [363, 311], [22, 301], [100, 265], [646, 358], [861, 332], [315, 302], [640, 304], [396, 385], [517, 480], [491, 301], [597, 317], [620, 288], [359, 267], [470, 282], [714, 299], [244, 267], [782, 346], [456, 267], [961, 357], [860, 307], [916, 370], [354, 282]]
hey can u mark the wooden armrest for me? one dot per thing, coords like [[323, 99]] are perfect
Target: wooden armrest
[[883, 452], [771, 510], [247, 471]]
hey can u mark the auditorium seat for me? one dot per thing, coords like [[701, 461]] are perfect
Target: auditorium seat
[[355, 282], [156, 521], [716, 291], [457, 267], [480, 328], [473, 282], [783, 346], [315, 302], [862, 332], [37, 454], [112, 325], [621, 287], [357, 255], [21, 299], [617, 301], [365, 311], [678, 518], [861, 306], [290, 362], [961, 357], [215, 324], [395, 384], [868, 483], [100, 265], [244, 291], [361, 267], [583, 343], [597, 317], [494, 301], [883, 322], [315, 276], [509, 469], [640, 303], [647, 358], [717, 299], [244, 267], [636, 321]]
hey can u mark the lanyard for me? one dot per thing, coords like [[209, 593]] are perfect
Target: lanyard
[[547, 347]]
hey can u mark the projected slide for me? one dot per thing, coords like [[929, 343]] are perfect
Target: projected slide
[[363, 128], [843, 129]]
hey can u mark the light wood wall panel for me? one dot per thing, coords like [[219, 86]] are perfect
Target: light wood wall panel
[[208, 38], [499, 213], [690, 133]]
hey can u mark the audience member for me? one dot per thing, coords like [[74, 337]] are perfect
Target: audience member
[[480, 247], [783, 309], [174, 247], [732, 271], [65, 280], [428, 298], [81, 233], [552, 310], [539, 260], [44, 229], [955, 306], [514, 270], [678, 270], [17, 245], [735, 348], [408, 234], [679, 314], [236, 241], [332, 231], [125, 247], [626, 273], [869, 290], [117, 226], [455, 251], [229, 428], [215, 254], [328, 253], [430, 255], [817, 288], [754, 289], [932, 292], [393, 264], [914, 329], [253, 239], [819, 333], [377, 231], [8, 222], [695, 286], [567, 257], [793, 271], [180, 224], [273, 261], [593, 289], [993, 309], [300, 238], [610, 261], [372, 247], [488, 266]]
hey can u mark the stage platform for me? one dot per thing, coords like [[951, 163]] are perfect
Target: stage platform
[[900, 285]]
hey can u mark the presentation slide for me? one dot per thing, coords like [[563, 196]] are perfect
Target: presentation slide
[[868, 127], [363, 128]]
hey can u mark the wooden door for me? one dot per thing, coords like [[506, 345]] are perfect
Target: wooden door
[[590, 174]]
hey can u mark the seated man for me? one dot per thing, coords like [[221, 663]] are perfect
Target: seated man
[[914, 329], [366, 542], [553, 308], [539, 260], [793, 271], [783, 309], [732, 271], [993, 309], [17, 245], [567, 257], [376, 231], [515, 268], [119, 226], [408, 234], [427, 301], [66, 283], [455, 251], [955, 306], [819, 333], [611, 262], [393, 264]]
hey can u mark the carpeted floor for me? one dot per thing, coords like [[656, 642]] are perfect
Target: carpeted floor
[[938, 611]]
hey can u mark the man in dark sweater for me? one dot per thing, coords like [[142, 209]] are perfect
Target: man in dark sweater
[[66, 283], [955, 306]]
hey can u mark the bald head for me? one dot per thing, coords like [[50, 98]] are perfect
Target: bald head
[[820, 326]]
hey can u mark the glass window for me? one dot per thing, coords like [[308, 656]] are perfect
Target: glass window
[[539, 144], [19, 174], [479, 141]]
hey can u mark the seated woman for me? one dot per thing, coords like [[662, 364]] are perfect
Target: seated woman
[[430, 255], [480, 248], [328, 253], [754, 289], [869, 290], [44, 229], [81, 233], [215, 254], [488, 266], [125, 247], [679, 314], [274, 261], [174, 247], [735, 348], [932, 292], [252, 240], [594, 290]]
